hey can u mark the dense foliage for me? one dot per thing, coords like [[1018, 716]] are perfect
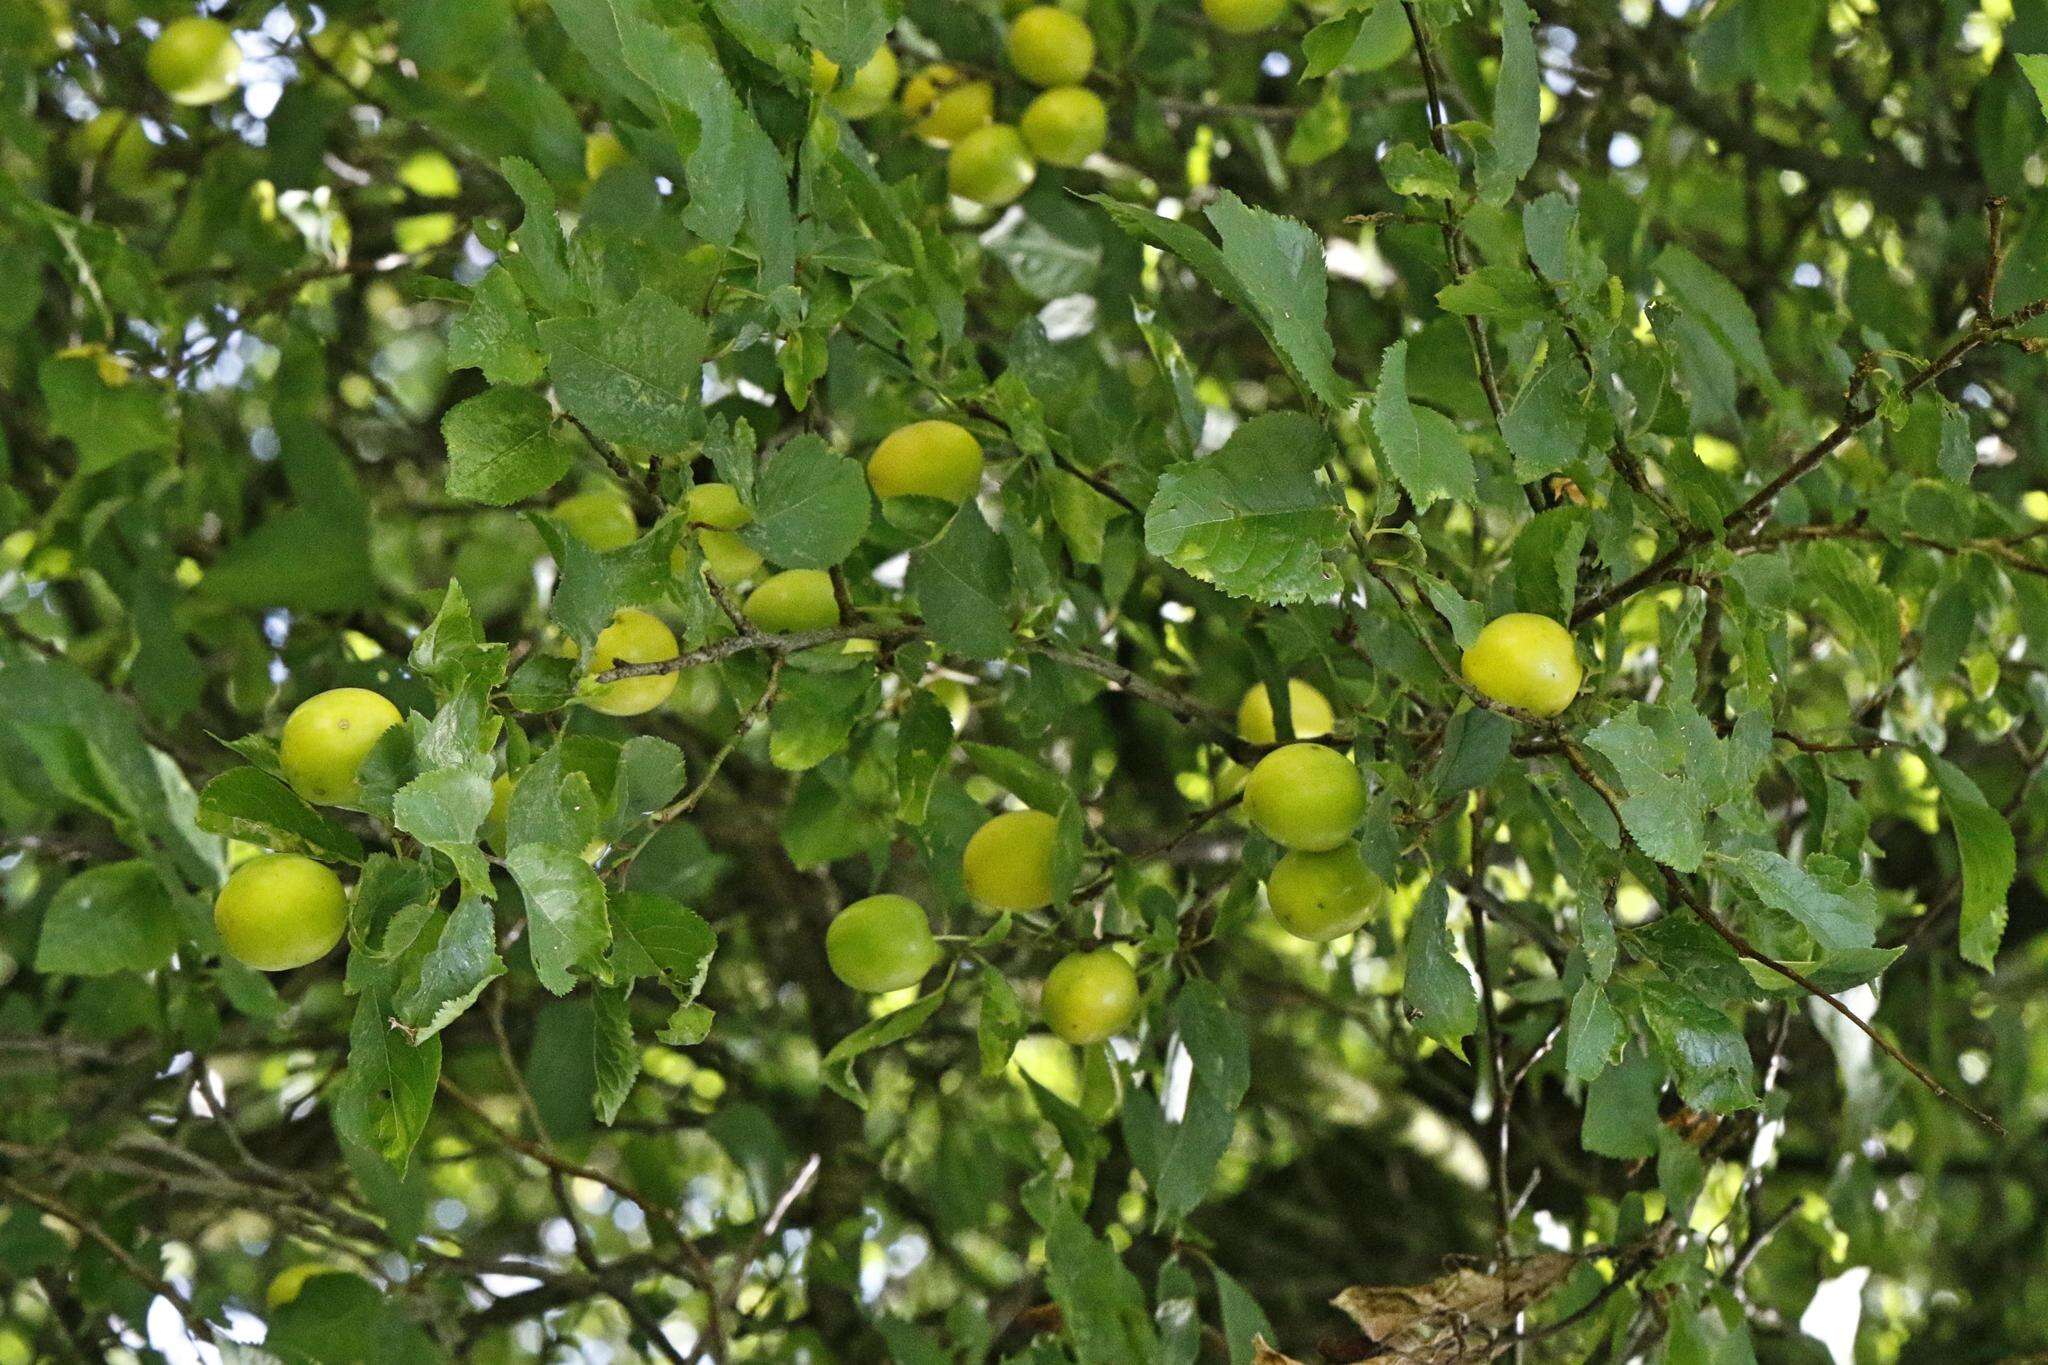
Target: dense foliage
[[1490, 564]]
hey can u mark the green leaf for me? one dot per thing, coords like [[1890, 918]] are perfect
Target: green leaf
[[387, 1094], [654, 936], [1003, 1023], [1839, 923], [1102, 1306], [455, 971], [1254, 519], [1361, 40], [1621, 1119], [503, 447], [633, 374], [1516, 109], [924, 740], [1595, 1034], [1476, 744], [1420, 446], [815, 714], [1036, 785], [1437, 990], [1263, 242], [1664, 811], [846, 31], [565, 914], [961, 582], [116, 917], [1720, 305], [541, 263], [1501, 292], [496, 333], [1419, 172], [1178, 1151], [444, 809], [251, 805], [650, 773], [890, 1029], [811, 507], [1279, 263], [1545, 561], [1545, 427], [107, 422], [1984, 844], [615, 1056], [1701, 1044]]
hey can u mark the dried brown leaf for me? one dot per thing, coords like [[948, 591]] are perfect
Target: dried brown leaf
[[1454, 1318], [1262, 1354]]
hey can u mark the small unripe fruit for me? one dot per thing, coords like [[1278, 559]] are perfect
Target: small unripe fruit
[[600, 519], [1066, 126], [864, 96], [883, 943], [1008, 863], [633, 637], [194, 60], [1308, 709], [1305, 796], [933, 459], [944, 106], [1321, 896], [990, 165], [1090, 996], [602, 151], [327, 737], [716, 510], [794, 600], [1050, 47], [280, 911], [1525, 661], [1244, 16]]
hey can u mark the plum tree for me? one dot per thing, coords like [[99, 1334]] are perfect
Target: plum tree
[[1244, 16], [327, 737], [990, 165], [600, 518], [633, 637], [1007, 864], [1525, 661], [794, 600], [1320, 896], [866, 94], [279, 911], [1050, 47], [944, 104], [1305, 796], [195, 60], [1090, 996], [1308, 709], [1065, 126], [929, 459], [882, 943]]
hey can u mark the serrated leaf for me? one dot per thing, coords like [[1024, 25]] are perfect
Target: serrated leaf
[[1253, 519], [1437, 990], [565, 914], [1984, 845], [250, 804], [387, 1094], [1838, 923], [811, 507], [503, 447], [1517, 124], [1665, 813], [632, 374], [455, 971], [615, 1057], [655, 936], [1279, 261], [1719, 304], [445, 809], [1595, 1035], [962, 585], [1419, 446], [837, 1067]]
